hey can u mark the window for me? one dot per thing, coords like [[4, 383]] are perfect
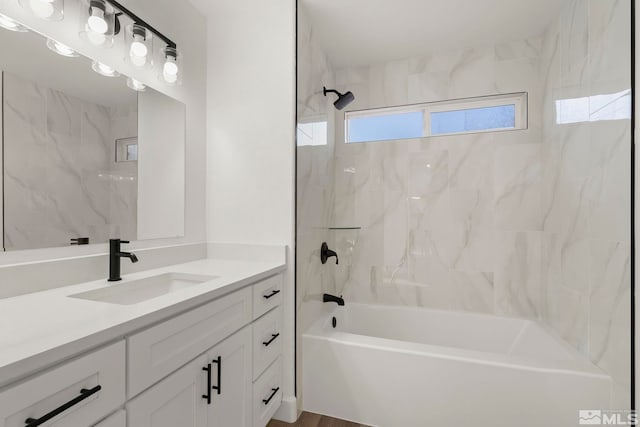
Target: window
[[132, 152], [484, 114], [127, 149]]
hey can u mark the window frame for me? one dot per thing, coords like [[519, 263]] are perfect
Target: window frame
[[518, 99]]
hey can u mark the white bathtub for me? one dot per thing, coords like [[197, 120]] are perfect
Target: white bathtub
[[414, 367]]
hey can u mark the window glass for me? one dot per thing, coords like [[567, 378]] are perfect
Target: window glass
[[470, 115], [388, 126], [473, 119]]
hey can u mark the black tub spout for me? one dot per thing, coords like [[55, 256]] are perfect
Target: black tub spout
[[333, 298]]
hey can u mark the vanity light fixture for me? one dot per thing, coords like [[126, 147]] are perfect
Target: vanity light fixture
[[136, 84], [96, 21], [61, 49], [100, 24], [139, 43], [11, 25], [104, 69], [52, 10], [171, 66]]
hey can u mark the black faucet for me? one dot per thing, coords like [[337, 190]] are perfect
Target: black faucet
[[326, 253], [114, 258], [332, 298]]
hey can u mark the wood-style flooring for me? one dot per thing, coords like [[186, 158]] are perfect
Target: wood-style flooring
[[307, 419]]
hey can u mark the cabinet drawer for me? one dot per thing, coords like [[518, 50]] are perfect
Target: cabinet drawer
[[119, 419], [101, 376], [266, 295], [267, 341], [156, 352], [267, 394]]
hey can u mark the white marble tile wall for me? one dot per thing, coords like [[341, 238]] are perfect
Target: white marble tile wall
[[314, 169], [59, 168], [123, 176], [530, 223], [449, 222], [585, 187]]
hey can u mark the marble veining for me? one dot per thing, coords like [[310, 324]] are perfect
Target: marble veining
[[61, 178], [531, 223]]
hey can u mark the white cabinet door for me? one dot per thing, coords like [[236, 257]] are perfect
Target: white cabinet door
[[231, 381], [119, 419], [178, 400], [157, 351]]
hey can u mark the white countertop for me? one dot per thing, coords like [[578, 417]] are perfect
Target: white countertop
[[44, 328]]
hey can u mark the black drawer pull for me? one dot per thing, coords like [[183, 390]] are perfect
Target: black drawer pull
[[207, 396], [218, 361], [84, 394], [273, 393], [273, 338], [272, 294]]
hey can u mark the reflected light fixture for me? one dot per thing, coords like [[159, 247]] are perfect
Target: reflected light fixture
[[136, 84], [61, 49], [10, 24], [104, 69], [52, 10]]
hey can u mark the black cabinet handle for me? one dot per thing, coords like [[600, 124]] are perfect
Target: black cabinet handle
[[218, 361], [273, 393], [207, 396], [84, 394], [272, 294], [273, 338]]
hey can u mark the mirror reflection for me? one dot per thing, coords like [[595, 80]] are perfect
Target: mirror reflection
[[71, 149]]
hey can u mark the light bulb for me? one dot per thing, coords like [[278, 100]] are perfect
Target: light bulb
[[138, 48], [136, 84], [170, 67], [11, 25], [61, 49], [170, 78], [96, 21], [42, 8], [95, 38], [104, 69], [138, 61]]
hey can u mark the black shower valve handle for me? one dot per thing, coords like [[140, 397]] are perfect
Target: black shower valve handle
[[326, 253]]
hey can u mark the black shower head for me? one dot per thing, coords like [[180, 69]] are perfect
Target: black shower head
[[343, 100]]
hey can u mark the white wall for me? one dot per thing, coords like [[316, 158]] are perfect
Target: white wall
[[250, 133], [187, 27], [161, 168]]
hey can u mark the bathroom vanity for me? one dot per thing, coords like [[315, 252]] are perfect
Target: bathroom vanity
[[200, 347]]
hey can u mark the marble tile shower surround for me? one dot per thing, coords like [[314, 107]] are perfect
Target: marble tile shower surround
[[529, 223], [61, 180], [448, 222], [585, 241]]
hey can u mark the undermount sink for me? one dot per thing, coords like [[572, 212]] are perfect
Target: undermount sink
[[136, 291]]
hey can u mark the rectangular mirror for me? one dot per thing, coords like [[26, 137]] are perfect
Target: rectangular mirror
[[85, 158]]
